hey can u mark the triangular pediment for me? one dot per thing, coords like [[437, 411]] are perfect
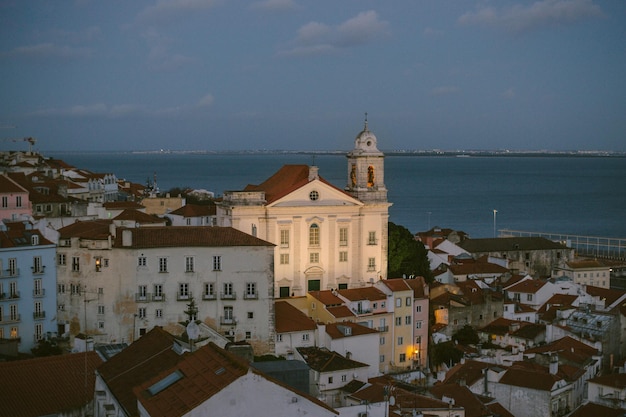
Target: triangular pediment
[[316, 193]]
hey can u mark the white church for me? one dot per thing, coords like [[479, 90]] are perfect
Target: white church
[[326, 237]]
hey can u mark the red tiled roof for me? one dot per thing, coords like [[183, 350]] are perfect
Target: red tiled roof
[[138, 216], [612, 380], [477, 268], [569, 349], [584, 264], [290, 319], [396, 284], [17, 235], [498, 410], [527, 286], [142, 360], [326, 297], [469, 372], [463, 397], [7, 185], [49, 385], [195, 210], [610, 295], [286, 180], [597, 410], [527, 375], [177, 236], [93, 229], [363, 293], [324, 360], [418, 285], [204, 373], [334, 330], [340, 312]]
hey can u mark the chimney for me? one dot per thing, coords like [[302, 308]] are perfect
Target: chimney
[[554, 364], [313, 173]]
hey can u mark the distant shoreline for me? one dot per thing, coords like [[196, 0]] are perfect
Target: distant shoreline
[[428, 153]]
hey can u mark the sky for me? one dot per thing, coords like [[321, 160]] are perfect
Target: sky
[[112, 75]]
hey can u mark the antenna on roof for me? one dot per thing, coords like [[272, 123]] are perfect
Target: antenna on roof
[[313, 164]]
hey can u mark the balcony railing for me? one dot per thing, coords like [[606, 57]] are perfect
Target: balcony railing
[[39, 293], [14, 295], [228, 321], [39, 315], [228, 295], [251, 296], [11, 272], [207, 296], [38, 271], [142, 297], [383, 329], [13, 318], [183, 296], [158, 297]]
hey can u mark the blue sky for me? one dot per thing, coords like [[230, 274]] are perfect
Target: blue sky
[[295, 74]]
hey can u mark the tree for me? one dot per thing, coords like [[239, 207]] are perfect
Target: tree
[[407, 256], [466, 335], [445, 352], [46, 348]]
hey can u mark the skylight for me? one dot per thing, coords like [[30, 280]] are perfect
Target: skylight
[[165, 382]]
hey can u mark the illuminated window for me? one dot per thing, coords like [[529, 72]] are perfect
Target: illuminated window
[[314, 235]]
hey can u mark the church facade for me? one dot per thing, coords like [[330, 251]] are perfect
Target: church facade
[[326, 237]]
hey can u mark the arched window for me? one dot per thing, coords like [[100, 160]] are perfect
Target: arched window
[[314, 235]]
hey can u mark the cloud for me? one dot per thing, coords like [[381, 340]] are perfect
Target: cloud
[[49, 50], [206, 101], [509, 94], [160, 56], [444, 90], [274, 5], [316, 38], [167, 10], [543, 13]]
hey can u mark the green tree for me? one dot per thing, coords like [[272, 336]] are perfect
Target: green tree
[[466, 335], [46, 348], [407, 256], [445, 352]]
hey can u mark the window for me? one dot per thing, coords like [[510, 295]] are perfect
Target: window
[[314, 258], [100, 325], [162, 264], [38, 331], [13, 312], [418, 324], [314, 235], [38, 288], [61, 288], [314, 195], [100, 290], [343, 236], [344, 378], [398, 302], [75, 264], [228, 314], [5, 201], [142, 293], [158, 313], [408, 301], [400, 340], [250, 315], [98, 260], [527, 256], [141, 313], [402, 357], [382, 340], [18, 201], [253, 231], [371, 264], [284, 259], [330, 379], [381, 358], [13, 290], [100, 309], [248, 335], [75, 289], [217, 263], [12, 266], [305, 337], [14, 333], [142, 261], [209, 290], [188, 221], [251, 290], [407, 320], [343, 256], [371, 238], [228, 289], [61, 259], [279, 337], [529, 297], [188, 263], [183, 291], [158, 291], [284, 238], [38, 313], [398, 321]]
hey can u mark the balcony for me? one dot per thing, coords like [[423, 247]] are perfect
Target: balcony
[[383, 329], [183, 296], [38, 271], [228, 295], [39, 293], [158, 297], [14, 295], [142, 297], [13, 318], [251, 296], [207, 296], [228, 321], [39, 315], [11, 272]]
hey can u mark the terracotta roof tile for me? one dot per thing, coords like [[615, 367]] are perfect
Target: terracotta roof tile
[[612, 380], [49, 385], [290, 319], [323, 360], [94, 229], [569, 349], [610, 295], [7, 185], [139, 217], [117, 205], [336, 330], [505, 244], [527, 375], [326, 297], [177, 236], [363, 293], [462, 397], [469, 372], [396, 284], [195, 210], [527, 286], [597, 410], [340, 312]]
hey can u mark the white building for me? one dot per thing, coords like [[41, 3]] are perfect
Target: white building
[[326, 237], [117, 283]]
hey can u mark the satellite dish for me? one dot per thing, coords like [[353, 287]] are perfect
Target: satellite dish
[[193, 330], [392, 401]]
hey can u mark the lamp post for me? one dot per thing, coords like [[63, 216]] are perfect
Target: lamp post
[[494, 222]]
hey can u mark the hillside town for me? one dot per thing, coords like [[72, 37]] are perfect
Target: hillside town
[[276, 300]]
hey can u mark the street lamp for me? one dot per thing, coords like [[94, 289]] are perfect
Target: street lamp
[[494, 222]]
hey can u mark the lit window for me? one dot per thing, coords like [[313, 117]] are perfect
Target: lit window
[[314, 235]]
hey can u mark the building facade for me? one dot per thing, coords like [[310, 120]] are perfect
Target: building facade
[[326, 237]]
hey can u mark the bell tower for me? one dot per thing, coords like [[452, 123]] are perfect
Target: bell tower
[[366, 169]]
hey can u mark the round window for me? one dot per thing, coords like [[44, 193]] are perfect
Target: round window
[[314, 195]]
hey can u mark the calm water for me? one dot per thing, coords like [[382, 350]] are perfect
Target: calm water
[[585, 196]]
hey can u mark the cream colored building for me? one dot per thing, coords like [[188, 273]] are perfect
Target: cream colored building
[[326, 237], [115, 284], [587, 272]]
